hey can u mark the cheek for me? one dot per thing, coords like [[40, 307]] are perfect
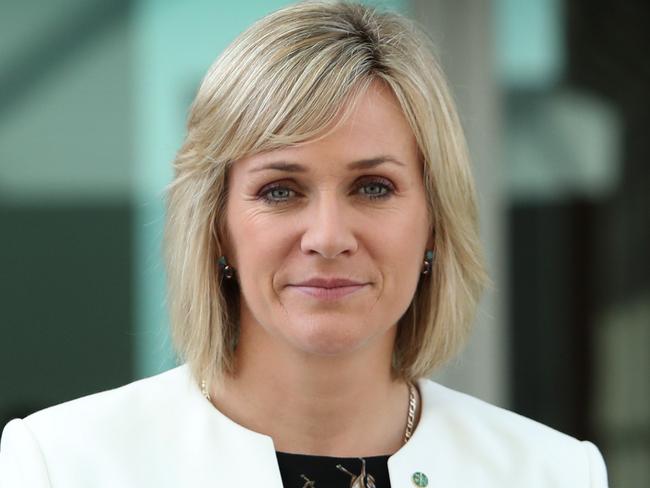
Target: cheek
[[260, 246], [402, 260], [407, 233], [402, 247], [248, 230]]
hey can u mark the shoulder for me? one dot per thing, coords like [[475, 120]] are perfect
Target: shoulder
[[105, 430], [149, 398], [480, 415], [507, 444]]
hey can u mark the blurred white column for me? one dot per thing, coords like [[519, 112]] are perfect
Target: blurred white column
[[462, 32]]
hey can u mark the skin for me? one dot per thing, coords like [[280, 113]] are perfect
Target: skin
[[313, 374]]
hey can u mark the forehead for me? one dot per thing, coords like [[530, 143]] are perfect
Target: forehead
[[373, 128]]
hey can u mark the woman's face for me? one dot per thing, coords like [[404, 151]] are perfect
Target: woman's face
[[350, 206]]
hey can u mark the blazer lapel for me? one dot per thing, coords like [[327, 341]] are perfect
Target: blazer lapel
[[225, 454]]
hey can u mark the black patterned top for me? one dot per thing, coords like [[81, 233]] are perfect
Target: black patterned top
[[305, 471]]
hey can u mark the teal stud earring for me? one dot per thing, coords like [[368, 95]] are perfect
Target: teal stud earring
[[420, 479], [226, 269], [428, 261]]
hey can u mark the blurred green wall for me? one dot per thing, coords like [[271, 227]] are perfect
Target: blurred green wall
[[66, 135]]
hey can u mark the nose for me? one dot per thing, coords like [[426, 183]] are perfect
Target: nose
[[329, 229]]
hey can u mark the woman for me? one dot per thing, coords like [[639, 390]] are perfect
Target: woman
[[323, 259]]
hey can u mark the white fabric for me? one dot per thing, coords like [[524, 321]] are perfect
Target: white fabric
[[161, 433]]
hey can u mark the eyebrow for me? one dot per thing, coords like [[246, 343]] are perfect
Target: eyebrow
[[298, 168]]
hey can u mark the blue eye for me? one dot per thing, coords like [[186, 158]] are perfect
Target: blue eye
[[276, 194], [375, 189]]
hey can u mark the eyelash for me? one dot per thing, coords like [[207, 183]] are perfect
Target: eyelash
[[380, 182]]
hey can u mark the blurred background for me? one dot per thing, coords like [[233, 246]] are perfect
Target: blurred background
[[555, 97]]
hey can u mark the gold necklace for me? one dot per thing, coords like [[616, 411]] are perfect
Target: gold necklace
[[410, 418]]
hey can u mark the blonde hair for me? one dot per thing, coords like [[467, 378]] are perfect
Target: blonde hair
[[283, 81]]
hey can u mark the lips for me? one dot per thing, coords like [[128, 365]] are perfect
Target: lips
[[328, 288], [329, 283]]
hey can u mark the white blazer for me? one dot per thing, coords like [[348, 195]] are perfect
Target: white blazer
[[161, 432]]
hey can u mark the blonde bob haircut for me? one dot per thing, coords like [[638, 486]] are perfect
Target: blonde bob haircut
[[289, 78]]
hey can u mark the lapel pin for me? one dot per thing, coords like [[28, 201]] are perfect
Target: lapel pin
[[420, 479]]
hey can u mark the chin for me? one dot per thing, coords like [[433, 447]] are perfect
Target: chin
[[329, 347], [333, 338]]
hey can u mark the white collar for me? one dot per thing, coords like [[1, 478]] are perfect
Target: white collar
[[240, 453]]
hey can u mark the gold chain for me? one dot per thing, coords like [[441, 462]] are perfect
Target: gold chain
[[410, 418]]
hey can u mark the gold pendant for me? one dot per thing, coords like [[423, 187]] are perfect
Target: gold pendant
[[308, 483], [363, 480]]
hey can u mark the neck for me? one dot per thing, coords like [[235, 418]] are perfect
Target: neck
[[344, 406]]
